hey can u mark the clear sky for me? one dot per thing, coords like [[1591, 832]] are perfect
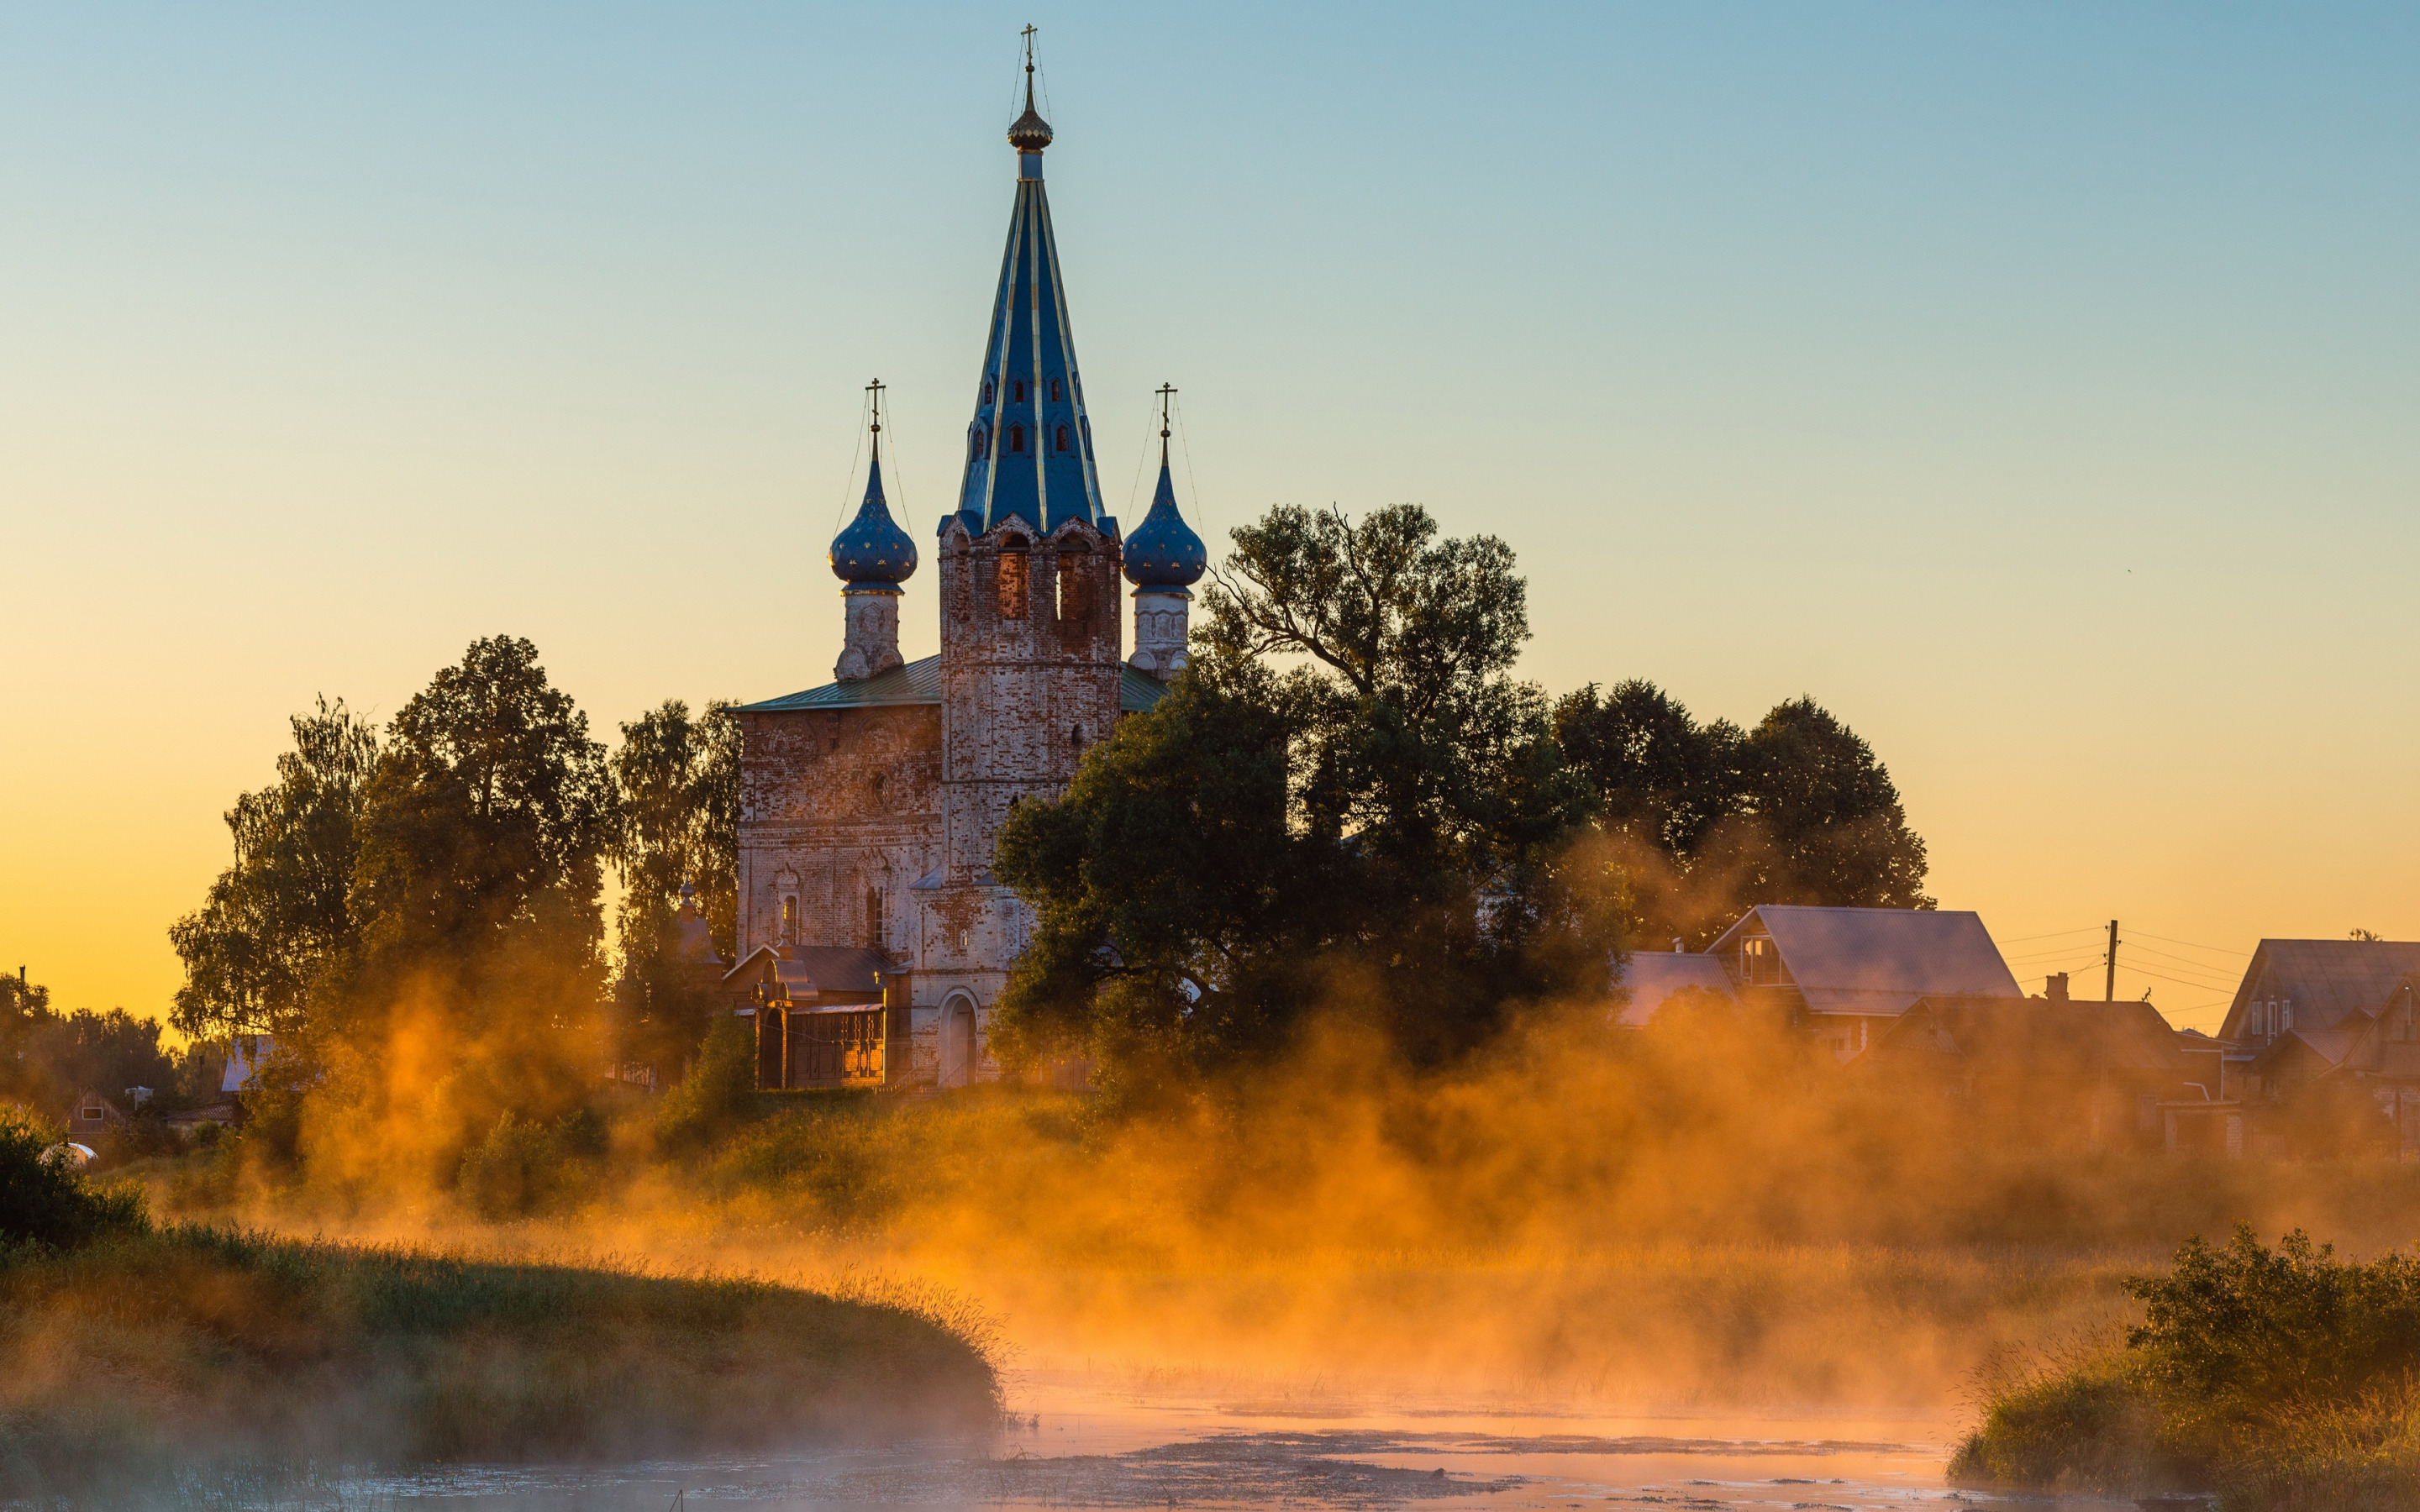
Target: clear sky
[[2035, 385]]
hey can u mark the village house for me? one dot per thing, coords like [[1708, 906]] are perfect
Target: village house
[[874, 938], [2322, 1018], [1842, 974], [90, 1116], [2056, 1071]]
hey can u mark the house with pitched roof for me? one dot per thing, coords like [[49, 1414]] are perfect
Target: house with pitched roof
[[2313, 984], [2057, 1071], [2332, 1021], [1843, 974]]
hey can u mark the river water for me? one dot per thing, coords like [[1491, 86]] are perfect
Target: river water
[[1079, 1442]]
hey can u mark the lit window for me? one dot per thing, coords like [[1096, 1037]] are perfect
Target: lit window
[[789, 921]]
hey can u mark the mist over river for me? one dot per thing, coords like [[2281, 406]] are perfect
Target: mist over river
[[1080, 1438]]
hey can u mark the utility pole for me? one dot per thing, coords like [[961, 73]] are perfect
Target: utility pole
[[2109, 993]]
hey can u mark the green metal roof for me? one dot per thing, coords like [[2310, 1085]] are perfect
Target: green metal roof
[[920, 681]]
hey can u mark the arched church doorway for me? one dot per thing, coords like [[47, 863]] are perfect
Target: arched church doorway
[[957, 1041]]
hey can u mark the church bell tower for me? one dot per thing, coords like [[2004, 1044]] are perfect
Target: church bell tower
[[1030, 665]]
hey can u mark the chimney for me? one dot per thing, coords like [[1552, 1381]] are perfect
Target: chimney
[[2054, 987]]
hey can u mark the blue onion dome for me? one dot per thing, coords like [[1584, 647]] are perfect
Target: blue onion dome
[[871, 550], [1163, 551]]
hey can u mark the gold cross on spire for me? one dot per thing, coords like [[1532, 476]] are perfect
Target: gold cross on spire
[[876, 389], [1164, 391]]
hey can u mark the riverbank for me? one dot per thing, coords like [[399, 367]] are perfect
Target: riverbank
[[143, 1352]]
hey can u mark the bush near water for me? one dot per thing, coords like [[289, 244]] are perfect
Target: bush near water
[[2275, 1378]]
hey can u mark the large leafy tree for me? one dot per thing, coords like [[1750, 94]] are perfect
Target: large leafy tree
[[1347, 801], [484, 829], [278, 918], [1829, 824], [1709, 818]]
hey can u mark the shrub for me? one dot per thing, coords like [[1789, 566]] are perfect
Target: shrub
[[44, 1201], [524, 1168], [2231, 1337], [2085, 1424], [2279, 1377], [719, 1089]]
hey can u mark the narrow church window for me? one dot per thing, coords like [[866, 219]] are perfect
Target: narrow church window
[[976, 443], [1054, 391], [874, 920], [987, 398], [1012, 585], [1018, 393], [1062, 438], [789, 921], [1076, 736], [1016, 438], [1085, 424], [1069, 582]]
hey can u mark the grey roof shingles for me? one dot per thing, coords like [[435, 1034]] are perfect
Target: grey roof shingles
[[2330, 979], [1880, 960]]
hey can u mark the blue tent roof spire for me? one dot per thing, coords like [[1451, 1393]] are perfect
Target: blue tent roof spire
[[872, 551], [1030, 447], [1163, 552]]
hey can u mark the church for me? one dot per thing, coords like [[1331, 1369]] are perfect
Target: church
[[874, 938]]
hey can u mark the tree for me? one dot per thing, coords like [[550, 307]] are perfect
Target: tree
[[676, 786], [485, 824], [1347, 801], [1828, 825], [47, 1056], [1658, 776], [1709, 820], [281, 915]]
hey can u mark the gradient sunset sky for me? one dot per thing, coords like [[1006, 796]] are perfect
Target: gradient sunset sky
[[2037, 386]]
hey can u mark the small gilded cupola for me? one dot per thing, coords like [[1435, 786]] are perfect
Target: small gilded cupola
[[872, 556], [1164, 559]]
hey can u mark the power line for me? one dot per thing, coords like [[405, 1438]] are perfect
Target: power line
[[2088, 929], [2219, 948], [2198, 986]]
